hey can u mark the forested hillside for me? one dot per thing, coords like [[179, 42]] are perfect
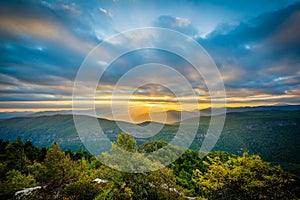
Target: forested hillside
[[55, 174], [274, 135]]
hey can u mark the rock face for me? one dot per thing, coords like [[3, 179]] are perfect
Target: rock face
[[99, 180], [26, 192]]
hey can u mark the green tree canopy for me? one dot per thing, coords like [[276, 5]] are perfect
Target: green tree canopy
[[126, 142], [246, 177], [59, 166]]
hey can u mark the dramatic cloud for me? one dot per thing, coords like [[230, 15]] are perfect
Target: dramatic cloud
[[260, 53], [255, 45]]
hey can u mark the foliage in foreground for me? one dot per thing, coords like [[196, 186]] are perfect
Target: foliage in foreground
[[68, 175], [245, 177]]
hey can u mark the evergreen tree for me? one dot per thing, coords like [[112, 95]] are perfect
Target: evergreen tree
[[59, 166]]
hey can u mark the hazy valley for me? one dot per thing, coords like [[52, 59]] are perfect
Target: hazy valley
[[271, 133]]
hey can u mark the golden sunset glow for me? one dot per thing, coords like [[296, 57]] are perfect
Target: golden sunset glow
[[43, 54], [140, 105]]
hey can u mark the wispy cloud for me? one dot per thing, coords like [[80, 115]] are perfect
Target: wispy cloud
[[180, 24], [71, 8], [106, 12]]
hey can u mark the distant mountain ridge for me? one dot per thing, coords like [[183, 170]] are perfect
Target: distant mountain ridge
[[207, 111], [169, 117], [7, 115]]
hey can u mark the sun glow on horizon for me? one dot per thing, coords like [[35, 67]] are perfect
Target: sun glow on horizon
[[137, 108], [146, 106]]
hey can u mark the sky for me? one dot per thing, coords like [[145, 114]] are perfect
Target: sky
[[255, 45]]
